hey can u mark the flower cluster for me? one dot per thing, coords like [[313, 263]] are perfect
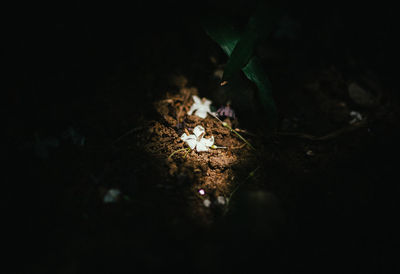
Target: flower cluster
[[200, 108]]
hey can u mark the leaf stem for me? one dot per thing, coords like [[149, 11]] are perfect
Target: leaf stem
[[251, 174], [240, 136], [231, 129], [176, 151]]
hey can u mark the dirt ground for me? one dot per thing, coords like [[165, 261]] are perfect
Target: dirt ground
[[318, 195]]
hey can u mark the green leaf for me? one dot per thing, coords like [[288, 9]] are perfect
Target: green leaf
[[241, 54], [223, 33], [256, 73], [260, 25]]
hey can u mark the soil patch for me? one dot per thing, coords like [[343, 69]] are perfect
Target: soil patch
[[210, 176]]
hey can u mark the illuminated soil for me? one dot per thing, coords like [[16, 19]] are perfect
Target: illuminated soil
[[216, 171]]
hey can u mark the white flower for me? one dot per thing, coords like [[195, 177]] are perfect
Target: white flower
[[357, 117], [196, 139], [111, 196], [200, 107]]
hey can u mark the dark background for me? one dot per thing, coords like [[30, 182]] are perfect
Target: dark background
[[56, 57], [54, 52]]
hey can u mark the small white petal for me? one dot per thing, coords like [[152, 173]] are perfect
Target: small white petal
[[197, 131], [207, 103], [201, 113], [192, 108], [196, 99], [191, 143], [207, 141], [207, 203], [200, 147], [184, 137], [201, 191]]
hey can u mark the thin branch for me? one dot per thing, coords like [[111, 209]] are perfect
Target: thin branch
[[328, 136]]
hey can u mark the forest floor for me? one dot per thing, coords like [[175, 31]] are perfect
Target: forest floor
[[315, 195]]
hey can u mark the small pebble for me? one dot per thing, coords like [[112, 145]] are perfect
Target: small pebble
[[310, 153], [221, 200]]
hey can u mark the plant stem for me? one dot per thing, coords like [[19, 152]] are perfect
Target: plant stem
[[251, 174], [240, 136], [126, 134], [186, 148], [187, 152], [234, 131]]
